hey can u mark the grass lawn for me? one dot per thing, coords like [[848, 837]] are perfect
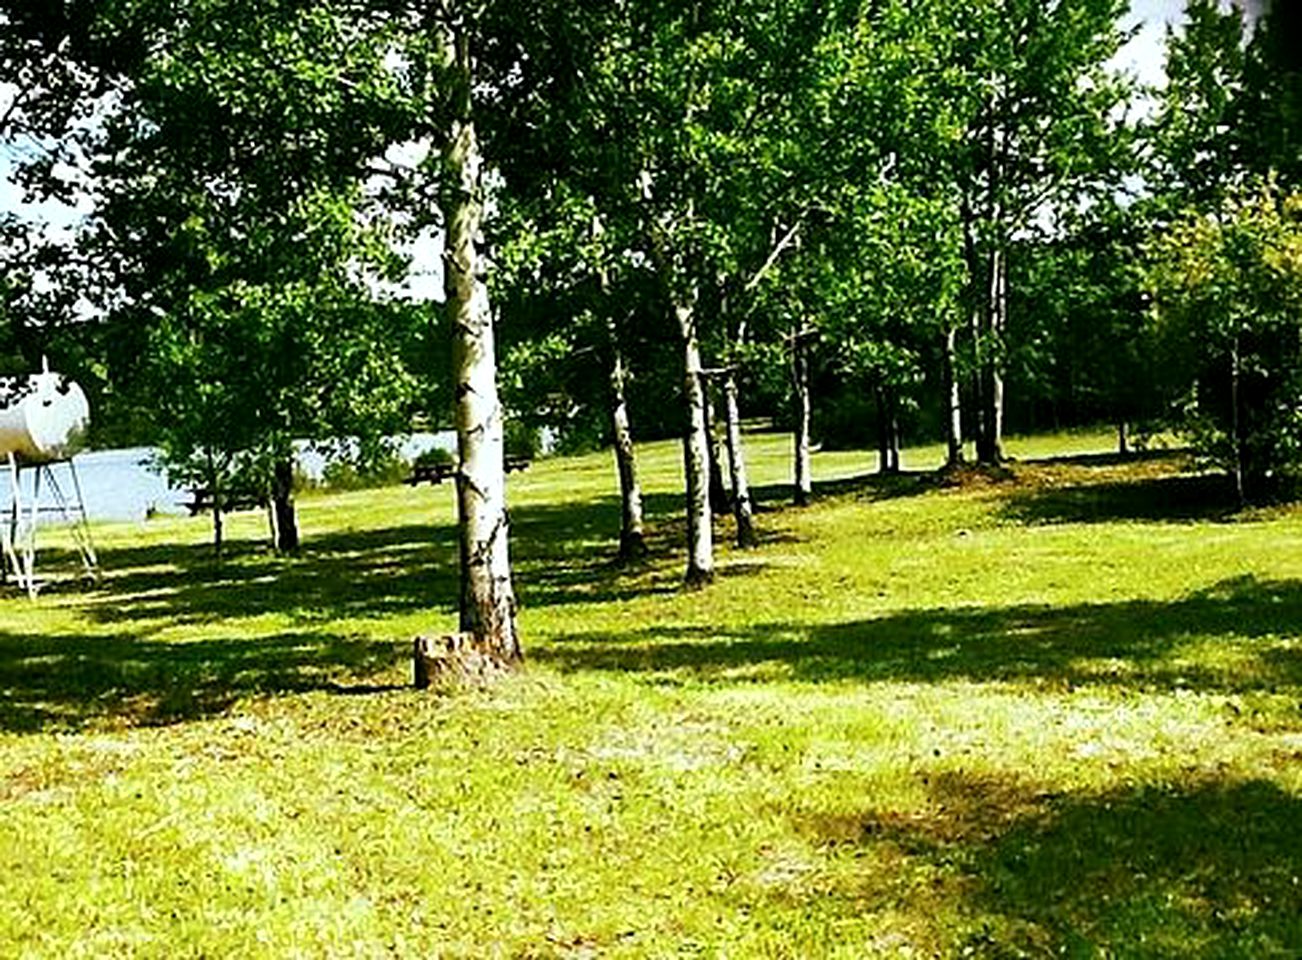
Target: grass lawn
[[1056, 715]]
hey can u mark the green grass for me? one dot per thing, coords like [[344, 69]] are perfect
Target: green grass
[[1055, 715]]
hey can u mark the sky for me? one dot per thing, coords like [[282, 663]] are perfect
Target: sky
[[1142, 56]]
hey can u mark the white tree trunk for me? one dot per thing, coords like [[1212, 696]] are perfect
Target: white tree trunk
[[742, 509], [804, 483], [632, 541], [696, 455], [953, 400], [998, 326], [487, 600]]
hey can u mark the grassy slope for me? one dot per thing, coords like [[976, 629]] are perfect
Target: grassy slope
[[1058, 714]]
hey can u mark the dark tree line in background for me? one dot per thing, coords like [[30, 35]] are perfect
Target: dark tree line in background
[[872, 222]]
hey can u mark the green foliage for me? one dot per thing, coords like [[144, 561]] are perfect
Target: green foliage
[[244, 261], [434, 457], [344, 474], [521, 440], [1228, 300], [1082, 349], [1231, 109]]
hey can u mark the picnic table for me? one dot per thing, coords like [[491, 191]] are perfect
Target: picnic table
[[232, 500], [438, 472]]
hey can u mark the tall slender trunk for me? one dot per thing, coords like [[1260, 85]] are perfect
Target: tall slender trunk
[[218, 497], [953, 399], [632, 539], [1236, 425], [888, 430], [487, 599], [804, 483], [742, 509], [1123, 438], [976, 302], [893, 431], [218, 505], [883, 430], [696, 452], [994, 309], [980, 389], [990, 438], [998, 324], [720, 502], [282, 505]]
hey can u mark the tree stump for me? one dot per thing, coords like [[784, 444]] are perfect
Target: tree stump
[[454, 659]]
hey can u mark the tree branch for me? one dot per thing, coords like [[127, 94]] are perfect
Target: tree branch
[[776, 252]]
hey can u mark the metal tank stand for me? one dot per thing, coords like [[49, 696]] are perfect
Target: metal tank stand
[[24, 516]]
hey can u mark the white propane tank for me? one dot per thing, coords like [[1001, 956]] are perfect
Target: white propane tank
[[42, 418]]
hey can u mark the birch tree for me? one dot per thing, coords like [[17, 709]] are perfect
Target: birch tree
[[671, 126], [1041, 129], [229, 223]]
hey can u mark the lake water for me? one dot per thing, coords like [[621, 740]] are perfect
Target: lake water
[[119, 484]]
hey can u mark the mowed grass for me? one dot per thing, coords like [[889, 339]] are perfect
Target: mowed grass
[[1059, 714]]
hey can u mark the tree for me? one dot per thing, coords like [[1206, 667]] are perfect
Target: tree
[[1032, 116], [230, 218], [1194, 153], [1227, 291], [1083, 350], [669, 128], [1231, 108], [329, 87], [573, 297], [1271, 115]]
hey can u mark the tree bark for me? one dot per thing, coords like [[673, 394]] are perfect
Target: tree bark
[[990, 440], [742, 509], [953, 400], [632, 539], [487, 601], [218, 497], [804, 484], [976, 304], [883, 431], [1236, 426], [1123, 438], [632, 536], [999, 329], [720, 502], [893, 431], [282, 506], [696, 453], [217, 532]]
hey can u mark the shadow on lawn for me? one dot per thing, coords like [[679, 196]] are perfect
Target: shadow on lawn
[[1134, 642], [69, 680], [1205, 869], [562, 554], [866, 486], [1181, 498], [349, 574]]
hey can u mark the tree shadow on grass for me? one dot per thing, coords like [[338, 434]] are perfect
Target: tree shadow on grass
[[1203, 869], [562, 554], [1128, 643], [1175, 499], [366, 573], [1174, 458], [865, 486], [67, 681]]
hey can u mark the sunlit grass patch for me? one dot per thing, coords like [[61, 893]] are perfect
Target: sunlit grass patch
[[1057, 712]]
